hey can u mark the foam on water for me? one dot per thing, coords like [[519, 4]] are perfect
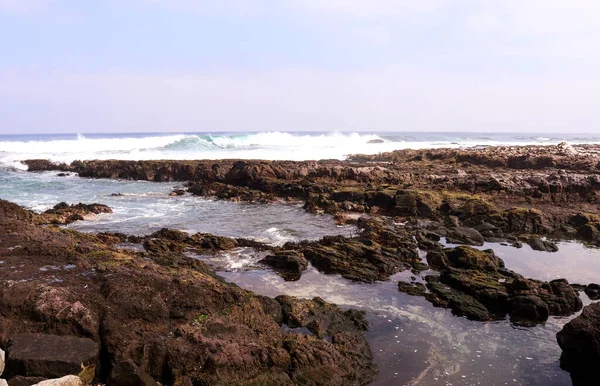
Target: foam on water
[[261, 145]]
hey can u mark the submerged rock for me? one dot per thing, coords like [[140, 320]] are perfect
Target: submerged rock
[[580, 341]]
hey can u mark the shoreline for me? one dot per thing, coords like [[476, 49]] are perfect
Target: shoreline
[[512, 195]]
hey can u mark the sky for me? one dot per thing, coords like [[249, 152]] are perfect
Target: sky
[[263, 65]]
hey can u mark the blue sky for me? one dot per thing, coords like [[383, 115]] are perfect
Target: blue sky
[[184, 65]]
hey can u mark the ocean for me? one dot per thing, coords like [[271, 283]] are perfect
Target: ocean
[[412, 341], [252, 145]]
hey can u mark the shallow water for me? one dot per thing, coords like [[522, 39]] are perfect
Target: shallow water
[[574, 261], [413, 342], [145, 207]]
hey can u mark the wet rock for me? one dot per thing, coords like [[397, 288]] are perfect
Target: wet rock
[[580, 341], [315, 362], [593, 291], [289, 263], [63, 175], [467, 236], [414, 289], [460, 303], [39, 165], [49, 356], [428, 241], [63, 213], [476, 284], [533, 301], [177, 192], [437, 259], [470, 258], [528, 310], [538, 244], [127, 373]]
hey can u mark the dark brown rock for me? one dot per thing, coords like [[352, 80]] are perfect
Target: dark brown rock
[[49, 356], [289, 263], [127, 373], [580, 341]]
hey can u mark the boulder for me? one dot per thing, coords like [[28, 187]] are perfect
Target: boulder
[[538, 244], [49, 356], [467, 236], [580, 341], [593, 291], [289, 263]]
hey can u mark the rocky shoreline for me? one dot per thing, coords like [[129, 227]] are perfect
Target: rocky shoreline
[[164, 314]]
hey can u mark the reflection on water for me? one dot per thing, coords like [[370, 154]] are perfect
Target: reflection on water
[[417, 344], [574, 261]]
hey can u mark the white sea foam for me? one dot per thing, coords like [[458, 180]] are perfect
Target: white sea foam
[[263, 145]]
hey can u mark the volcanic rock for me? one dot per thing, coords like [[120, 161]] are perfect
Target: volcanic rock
[[580, 341], [49, 356]]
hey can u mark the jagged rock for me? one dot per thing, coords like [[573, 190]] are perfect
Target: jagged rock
[[64, 213], [580, 341], [49, 356], [289, 263], [470, 258]]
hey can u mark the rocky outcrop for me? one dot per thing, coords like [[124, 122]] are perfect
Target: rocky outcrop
[[160, 311], [63, 213], [475, 284], [289, 264], [380, 250], [580, 341]]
